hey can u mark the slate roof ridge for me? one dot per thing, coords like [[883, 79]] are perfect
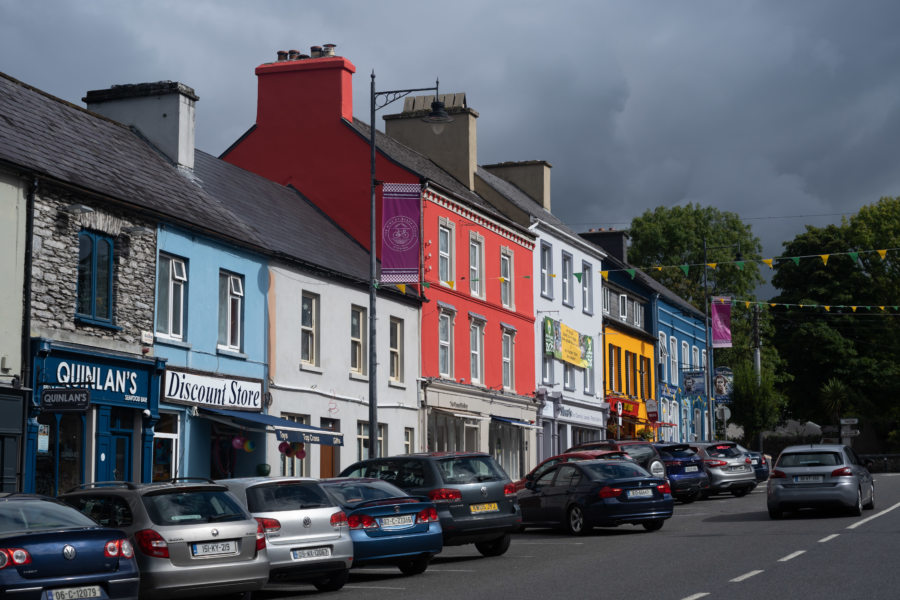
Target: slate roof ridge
[[646, 279]]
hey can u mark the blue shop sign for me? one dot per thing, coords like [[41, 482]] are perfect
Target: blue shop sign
[[122, 384]]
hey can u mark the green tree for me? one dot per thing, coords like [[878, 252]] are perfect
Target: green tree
[[755, 404], [835, 399]]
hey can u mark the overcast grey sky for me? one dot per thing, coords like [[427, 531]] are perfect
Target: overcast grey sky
[[787, 113]]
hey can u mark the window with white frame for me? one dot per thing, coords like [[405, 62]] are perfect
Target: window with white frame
[[695, 357], [606, 300], [396, 350], [589, 380], [587, 289], [567, 280], [362, 440], [546, 368], [291, 465], [165, 447], [476, 351], [171, 279], [685, 355], [445, 251], [623, 307], [357, 340], [309, 329], [445, 343], [476, 264], [506, 277], [231, 314], [638, 314], [663, 357], [703, 361], [508, 359], [568, 376], [409, 440], [673, 360], [546, 270]]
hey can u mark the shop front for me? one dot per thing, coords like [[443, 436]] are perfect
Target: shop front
[[91, 418], [567, 423], [625, 417]]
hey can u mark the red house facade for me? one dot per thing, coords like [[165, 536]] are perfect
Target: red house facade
[[477, 317]]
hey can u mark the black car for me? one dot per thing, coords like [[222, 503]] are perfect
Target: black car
[[684, 469], [641, 451], [583, 494], [475, 499]]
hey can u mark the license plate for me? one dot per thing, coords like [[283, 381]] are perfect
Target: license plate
[[641, 493], [809, 478], [397, 521], [308, 553], [739, 469], [214, 548], [483, 508], [690, 469], [85, 591], [753, 461]]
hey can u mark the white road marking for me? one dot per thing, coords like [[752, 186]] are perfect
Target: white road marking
[[439, 570], [746, 576], [828, 538], [695, 596], [791, 555], [875, 516], [371, 587], [518, 543]]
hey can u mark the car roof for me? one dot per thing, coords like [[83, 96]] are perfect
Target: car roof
[[353, 480], [185, 482], [808, 447]]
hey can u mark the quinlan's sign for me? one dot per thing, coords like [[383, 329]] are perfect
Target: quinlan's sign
[[206, 390], [65, 399], [566, 344]]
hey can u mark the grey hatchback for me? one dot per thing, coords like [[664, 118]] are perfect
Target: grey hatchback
[[728, 468], [307, 533], [475, 499], [816, 475], [191, 536]]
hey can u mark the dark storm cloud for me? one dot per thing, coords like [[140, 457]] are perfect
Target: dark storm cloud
[[777, 111]]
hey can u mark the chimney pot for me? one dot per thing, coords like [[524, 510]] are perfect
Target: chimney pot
[[293, 54], [328, 50], [282, 55], [315, 51]]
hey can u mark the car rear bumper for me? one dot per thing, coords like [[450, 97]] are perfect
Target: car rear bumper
[[612, 512], [162, 580], [478, 528], [283, 566], [370, 549], [719, 481], [122, 588], [691, 483], [781, 496]]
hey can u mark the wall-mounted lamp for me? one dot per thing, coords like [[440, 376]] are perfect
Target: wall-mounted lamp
[[76, 209]]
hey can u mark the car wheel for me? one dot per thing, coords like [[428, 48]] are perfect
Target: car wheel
[[575, 521], [415, 566], [775, 514], [333, 583], [739, 492], [654, 525], [857, 508], [871, 503], [494, 547]]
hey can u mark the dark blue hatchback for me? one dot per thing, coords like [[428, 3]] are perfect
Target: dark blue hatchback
[[49, 550], [684, 469]]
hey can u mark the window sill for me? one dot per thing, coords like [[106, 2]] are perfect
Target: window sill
[[358, 376], [396, 384], [589, 313], [82, 320], [311, 368], [230, 353], [167, 341], [547, 296]]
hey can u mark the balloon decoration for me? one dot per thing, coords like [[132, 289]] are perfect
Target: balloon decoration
[[292, 450], [239, 442]]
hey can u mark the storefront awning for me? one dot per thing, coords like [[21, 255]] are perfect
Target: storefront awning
[[515, 422], [461, 414], [658, 424], [285, 430]]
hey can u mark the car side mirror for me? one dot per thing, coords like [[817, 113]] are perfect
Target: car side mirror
[[529, 484]]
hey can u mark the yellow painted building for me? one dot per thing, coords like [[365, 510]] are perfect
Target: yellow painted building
[[629, 378]]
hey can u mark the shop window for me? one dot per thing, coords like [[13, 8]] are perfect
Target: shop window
[[95, 278], [294, 465], [60, 452], [362, 440], [165, 447]]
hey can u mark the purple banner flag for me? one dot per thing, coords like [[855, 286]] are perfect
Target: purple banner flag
[[721, 322], [400, 232]]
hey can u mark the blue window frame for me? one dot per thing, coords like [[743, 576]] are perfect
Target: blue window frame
[[94, 301]]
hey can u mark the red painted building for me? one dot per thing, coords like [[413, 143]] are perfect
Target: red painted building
[[477, 319]]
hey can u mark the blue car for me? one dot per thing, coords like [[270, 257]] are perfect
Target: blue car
[[49, 550], [684, 470], [387, 525]]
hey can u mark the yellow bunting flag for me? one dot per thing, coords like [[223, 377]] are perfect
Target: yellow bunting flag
[[712, 265], [502, 279], [824, 258], [747, 304], [452, 285], [402, 287], [605, 274], [882, 308], [827, 308], [772, 304], [882, 253], [768, 261], [658, 268], [854, 308]]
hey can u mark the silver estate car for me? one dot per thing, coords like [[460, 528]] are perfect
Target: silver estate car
[[819, 475], [191, 536], [307, 534], [728, 468]]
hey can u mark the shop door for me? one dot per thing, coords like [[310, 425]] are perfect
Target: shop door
[[328, 455], [9, 460], [114, 456]]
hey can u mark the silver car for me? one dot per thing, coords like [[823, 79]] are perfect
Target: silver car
[[191, 536], [728, 468], [817, 475], [307, 535]]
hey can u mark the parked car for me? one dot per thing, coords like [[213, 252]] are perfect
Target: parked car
[[191, 536], [684, 470], [580, 495], [548, 463], [642, 451], [819, 475], [728, 468], [758, 461], [475, 500], [388, 525], [307, 533], [50, 550]]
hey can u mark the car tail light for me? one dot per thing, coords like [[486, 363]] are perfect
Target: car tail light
[[121, 548], [14, 556], [843, 472], [428, 515], [664, 488], [762, 459], [748, 461], [269, 525], [716, 463], [362, 522], [671, 463], [151, 543], [444, 495], [776, 474], [509, 489], [339, 518], [261, 533], [610, 492]]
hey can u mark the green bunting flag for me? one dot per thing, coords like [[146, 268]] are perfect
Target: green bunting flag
[[685, 268], [630, 272]]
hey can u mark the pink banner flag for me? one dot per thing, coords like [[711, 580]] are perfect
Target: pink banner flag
[[400, 232], [721, 322]]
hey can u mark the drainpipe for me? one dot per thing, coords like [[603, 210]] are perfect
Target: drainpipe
[[26, 325]]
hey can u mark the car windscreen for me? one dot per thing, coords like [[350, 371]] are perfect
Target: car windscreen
[[286, 495], [402, 472], [469, 469], [37, 515], [351, 493], [638, 452], [809, 459], [723, 451], [604, 471], [678, 452], [175, 507]]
